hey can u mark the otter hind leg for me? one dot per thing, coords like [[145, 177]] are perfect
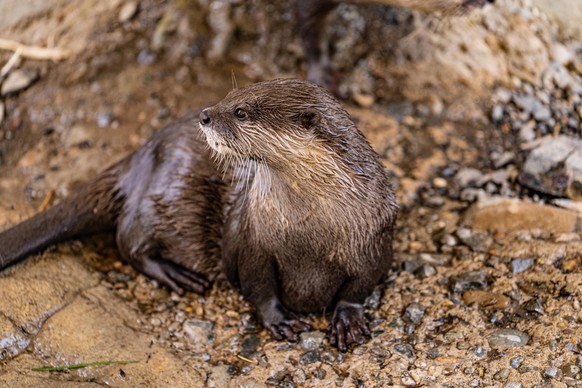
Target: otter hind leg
[[174, 276]]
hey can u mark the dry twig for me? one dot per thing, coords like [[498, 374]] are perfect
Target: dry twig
[[35, 52]]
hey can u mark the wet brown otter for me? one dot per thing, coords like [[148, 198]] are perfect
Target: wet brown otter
[[306, 225], [311, 20]]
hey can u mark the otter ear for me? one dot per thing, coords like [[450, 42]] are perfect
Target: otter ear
[[309, 118]]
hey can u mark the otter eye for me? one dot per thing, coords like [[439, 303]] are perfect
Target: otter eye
[[240, 114]]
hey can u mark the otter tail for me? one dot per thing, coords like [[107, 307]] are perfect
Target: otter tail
[[92, 209]]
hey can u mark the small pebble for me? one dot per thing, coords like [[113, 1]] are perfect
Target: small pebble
[[503, 374], [466, 177], [479, 351], [309, 357], [128, 11], [515, 362], [475, 280], [439, 183], [405, 349], [414, 313], [520, 265], [551, 372], [250, 345], [320, 373], [104, 119], [570, 370], [425, 271], [311, 340], [408, 381], [18, 80], [507, 338]]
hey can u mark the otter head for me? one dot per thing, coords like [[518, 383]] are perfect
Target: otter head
[[280, 123]]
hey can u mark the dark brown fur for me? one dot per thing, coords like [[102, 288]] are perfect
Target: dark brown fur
[[306, 225]]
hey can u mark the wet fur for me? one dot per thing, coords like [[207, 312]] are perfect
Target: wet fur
[[310, 220], [305, 226], [163, 202]]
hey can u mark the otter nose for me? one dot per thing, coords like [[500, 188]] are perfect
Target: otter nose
[[204, 117]]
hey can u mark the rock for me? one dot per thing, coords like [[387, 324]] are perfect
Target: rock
[[439, 183], [503, 159], [570, 370], [425, 271], [405, 349], [526, 132], [542, 113], [473, 195], [507, 338], [503, 215], [515, 362], [476, 280], [469, 177], [104, 119], [531, 308], [311, 340], [146, 57], [551, 372], [309, 357], [497, 113], [502, 95], [250, 345], [249, 323], [478, 241], [479, 351], [363, 100], [201, 332], [18, 80], [128, 11], [486, 300], [520, 265], [527, 104], [503, 374], [413, 313], [555, 167], [320, 373], [561, 54], [513, 385], [408, 381]]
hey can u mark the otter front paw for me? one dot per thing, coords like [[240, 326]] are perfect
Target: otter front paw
[[348, 326], [282, 323]]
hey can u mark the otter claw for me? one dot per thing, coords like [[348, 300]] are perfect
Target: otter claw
[[282, 323]]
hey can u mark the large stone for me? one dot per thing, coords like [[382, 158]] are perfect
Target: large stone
[[89, 330], [555, 168], [507, 215]]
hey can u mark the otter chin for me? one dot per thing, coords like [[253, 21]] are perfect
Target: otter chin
[[309, 221]]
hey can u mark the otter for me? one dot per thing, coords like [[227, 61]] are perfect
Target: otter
[[301, 221], [312, 16]]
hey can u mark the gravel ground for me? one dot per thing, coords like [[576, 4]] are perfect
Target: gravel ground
[[485, 289]]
